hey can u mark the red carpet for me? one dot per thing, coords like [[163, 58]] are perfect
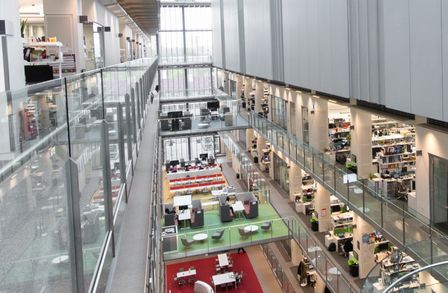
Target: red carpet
[[205, 269]]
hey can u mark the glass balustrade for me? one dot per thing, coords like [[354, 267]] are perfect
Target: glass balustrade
[[62, 175], [194, 124], [408, 229], [184, 242]]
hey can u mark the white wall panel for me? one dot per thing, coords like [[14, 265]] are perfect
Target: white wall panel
[[315, 36], [258, 39], [340, 74], [231, 35], [217, 37], [426, 58], [292, 29], [397, 87], [445, 58]]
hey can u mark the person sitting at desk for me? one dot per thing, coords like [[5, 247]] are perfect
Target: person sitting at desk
[[348, 247]]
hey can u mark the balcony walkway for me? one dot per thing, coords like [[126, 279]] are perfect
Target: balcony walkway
[[128, 271]]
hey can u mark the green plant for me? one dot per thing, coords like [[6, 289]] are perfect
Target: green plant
[[23, 24], [352, 262]]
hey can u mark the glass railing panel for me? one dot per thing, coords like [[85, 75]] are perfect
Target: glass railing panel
[[340, 182], [318, 165], [320, 258], [355, 194], [416, 232], [333, 276], [393, 221], [343, 285], [372, 205], [30, 115], [328, 172], [34, 216], [85, 114], [198, 124]]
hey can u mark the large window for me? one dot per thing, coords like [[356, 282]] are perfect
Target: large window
[[185, 41], [189, 148], [185, 35]]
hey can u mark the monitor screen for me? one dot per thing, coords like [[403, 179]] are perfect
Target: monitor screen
[[203, 157], [183, 208], [38, 73], [213, 106], [335, 208], [175, 114], [174, 163], [383, 247]]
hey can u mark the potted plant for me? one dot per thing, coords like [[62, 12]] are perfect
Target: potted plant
[[314, 223], [354, 266], [23, 24]]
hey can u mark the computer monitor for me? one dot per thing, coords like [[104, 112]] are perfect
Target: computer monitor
[[213, 105], [182, 208], [175, 114], [38, 73], [383, 247], [174, 163], [335, 208], [203, 157]]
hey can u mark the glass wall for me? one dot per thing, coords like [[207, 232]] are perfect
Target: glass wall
[[189, 148], [439, 192], [279, 113], [185, 35], [281, 172], [185, 39]]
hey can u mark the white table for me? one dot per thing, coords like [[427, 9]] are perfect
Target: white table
[[182, 200], [60, 259], [223, 260], [200, 237], [238, 206], [223, 279], [217, 193], [184, 215], [188, 273], [251, 228]]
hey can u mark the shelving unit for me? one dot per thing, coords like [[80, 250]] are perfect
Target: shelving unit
[[48, 46], [304, 200]]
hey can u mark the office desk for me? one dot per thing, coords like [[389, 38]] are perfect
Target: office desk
[[184, 215], [223, 279], [223, 260], [182, 200]]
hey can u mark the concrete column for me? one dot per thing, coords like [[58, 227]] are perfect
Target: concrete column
[[247, 89], [62, 21], [295, 180], [9, 11], [318, 122], [296, 253], [366, 251], [361, 141], [249, 137], [261, 144], [322, 207], [239, 86], [259, 88], [226, 83]]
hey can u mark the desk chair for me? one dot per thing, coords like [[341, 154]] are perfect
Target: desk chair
[[187, 243], [243, 233]]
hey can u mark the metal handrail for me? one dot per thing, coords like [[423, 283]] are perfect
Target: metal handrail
[[396, 282]]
